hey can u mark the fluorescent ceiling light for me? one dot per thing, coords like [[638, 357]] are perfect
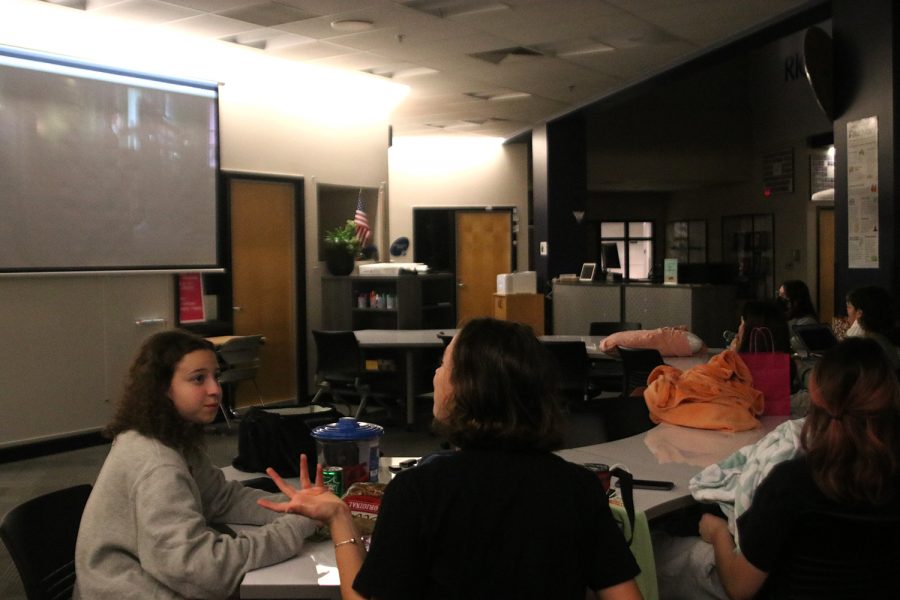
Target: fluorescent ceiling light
[[595, 48], [352, 25], [510, 96]]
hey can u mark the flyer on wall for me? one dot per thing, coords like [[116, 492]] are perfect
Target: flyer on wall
[[862, 193]]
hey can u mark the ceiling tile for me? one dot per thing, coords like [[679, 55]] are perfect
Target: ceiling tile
[[144, 11], [209, 25], [267, 14]]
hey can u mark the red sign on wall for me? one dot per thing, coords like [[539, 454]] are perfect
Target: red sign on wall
[[190, 298]]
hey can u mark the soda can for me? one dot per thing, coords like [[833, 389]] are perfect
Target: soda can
[[333, 478]]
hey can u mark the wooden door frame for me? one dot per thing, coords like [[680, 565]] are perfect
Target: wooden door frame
[[834, 302], [454, 210], [299, 260]]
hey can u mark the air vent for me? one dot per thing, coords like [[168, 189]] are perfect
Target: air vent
[[498, 56]]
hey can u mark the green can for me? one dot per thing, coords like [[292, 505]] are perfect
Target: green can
[[333, 478]]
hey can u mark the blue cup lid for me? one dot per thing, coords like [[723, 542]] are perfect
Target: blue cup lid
[[347, 429]]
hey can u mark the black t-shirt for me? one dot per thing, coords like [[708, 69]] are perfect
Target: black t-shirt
[[494, 524], [770, 531]]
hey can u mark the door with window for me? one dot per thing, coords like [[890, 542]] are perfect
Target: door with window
[[634, 241]]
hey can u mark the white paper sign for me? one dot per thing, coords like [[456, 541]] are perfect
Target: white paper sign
[[862, 193]]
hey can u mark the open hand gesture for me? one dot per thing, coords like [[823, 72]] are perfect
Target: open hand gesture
[[312, 500]]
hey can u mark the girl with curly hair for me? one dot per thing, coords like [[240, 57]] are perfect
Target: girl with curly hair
[[146, 530]]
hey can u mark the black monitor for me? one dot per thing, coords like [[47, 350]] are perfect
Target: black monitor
[[609, 256]]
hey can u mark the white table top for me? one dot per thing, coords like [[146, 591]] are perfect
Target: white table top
[[405, 338], [666, 452]]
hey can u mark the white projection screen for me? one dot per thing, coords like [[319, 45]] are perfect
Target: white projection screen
[[103, 170]]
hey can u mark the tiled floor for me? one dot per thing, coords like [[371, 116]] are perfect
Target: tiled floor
[[25, 479]]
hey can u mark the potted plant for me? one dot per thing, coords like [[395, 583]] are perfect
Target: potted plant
[[341, 248]]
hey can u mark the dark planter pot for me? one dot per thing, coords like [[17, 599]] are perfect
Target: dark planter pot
[[338, 261]]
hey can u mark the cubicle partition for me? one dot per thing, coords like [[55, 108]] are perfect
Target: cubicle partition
[[706, 310]]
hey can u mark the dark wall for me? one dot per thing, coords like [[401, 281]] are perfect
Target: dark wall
[[865, 86]]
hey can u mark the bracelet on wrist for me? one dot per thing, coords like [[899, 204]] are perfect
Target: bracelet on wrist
[[350, 541]]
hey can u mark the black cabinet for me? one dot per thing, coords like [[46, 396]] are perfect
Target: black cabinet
[[413, 301]]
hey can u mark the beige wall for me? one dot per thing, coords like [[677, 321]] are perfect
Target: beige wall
[[276, 117], [457, 172]]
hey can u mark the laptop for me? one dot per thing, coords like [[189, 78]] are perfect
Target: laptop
[[817, 338]]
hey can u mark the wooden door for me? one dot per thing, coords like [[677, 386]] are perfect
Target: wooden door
[[483, 251], [825, 246], [263, 264]]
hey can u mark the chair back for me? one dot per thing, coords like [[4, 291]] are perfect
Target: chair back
[[839, 555], [40, 535], [239, 358], [572, 368], [637, 363], [337, 352], [611, 327]]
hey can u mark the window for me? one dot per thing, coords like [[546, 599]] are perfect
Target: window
[[634, 240]]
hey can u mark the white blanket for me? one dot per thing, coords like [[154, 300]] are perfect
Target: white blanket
[[732, 481]]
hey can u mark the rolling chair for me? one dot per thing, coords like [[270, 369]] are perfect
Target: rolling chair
[[238, 361], [572, 368], [628, 415], [606, 375], [40, 535], [340, 371]]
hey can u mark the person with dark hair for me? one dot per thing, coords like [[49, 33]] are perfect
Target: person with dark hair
[[145, 532], [502, 517], [850, 464], [870, 313], [761, 314], [797, 302]]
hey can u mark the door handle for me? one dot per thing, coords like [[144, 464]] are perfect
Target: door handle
[[237, 308], [460, 284], [148, 322]]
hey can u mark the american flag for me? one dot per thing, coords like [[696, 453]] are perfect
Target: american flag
[[361, 220]]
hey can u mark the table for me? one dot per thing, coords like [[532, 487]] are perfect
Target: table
[[592, 345], [666, 452], [409, 341]]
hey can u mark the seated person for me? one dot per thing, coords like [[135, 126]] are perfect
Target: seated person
[[767, 315], [870, 313], [850, 444], [145, 532], [794, 298], [502, 517]]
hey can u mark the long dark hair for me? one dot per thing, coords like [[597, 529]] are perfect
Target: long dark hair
[[764, 314], [852, 432], [798, 300], [145, 405], [504, 389]]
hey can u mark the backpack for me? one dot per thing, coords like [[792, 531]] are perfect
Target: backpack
[[276, 437]]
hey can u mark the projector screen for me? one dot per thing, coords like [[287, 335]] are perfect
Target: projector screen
[[104, 170]]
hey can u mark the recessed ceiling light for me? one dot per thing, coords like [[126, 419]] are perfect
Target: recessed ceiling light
[[79, 4], [352, 25], [510, 96]]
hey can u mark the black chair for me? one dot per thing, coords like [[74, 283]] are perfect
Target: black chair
[[637, 363], [40, 535], [238, 361], [836, 556], [606, 375], [611, 327], [340, 372], [572, 364], [628, 414]]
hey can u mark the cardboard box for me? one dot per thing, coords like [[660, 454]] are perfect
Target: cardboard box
[[504, 284]]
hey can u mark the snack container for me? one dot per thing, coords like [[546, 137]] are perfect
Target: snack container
[[351, 445]]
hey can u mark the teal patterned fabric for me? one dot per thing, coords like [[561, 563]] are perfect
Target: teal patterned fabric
[[732, 481]]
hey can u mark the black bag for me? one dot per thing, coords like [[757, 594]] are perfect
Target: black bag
[[276, 438]]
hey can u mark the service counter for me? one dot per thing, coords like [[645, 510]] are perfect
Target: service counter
[[706, 310]]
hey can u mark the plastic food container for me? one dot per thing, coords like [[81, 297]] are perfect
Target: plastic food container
[[351, 445]]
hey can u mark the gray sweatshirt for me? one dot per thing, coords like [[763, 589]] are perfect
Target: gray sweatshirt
[[144, 531]]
